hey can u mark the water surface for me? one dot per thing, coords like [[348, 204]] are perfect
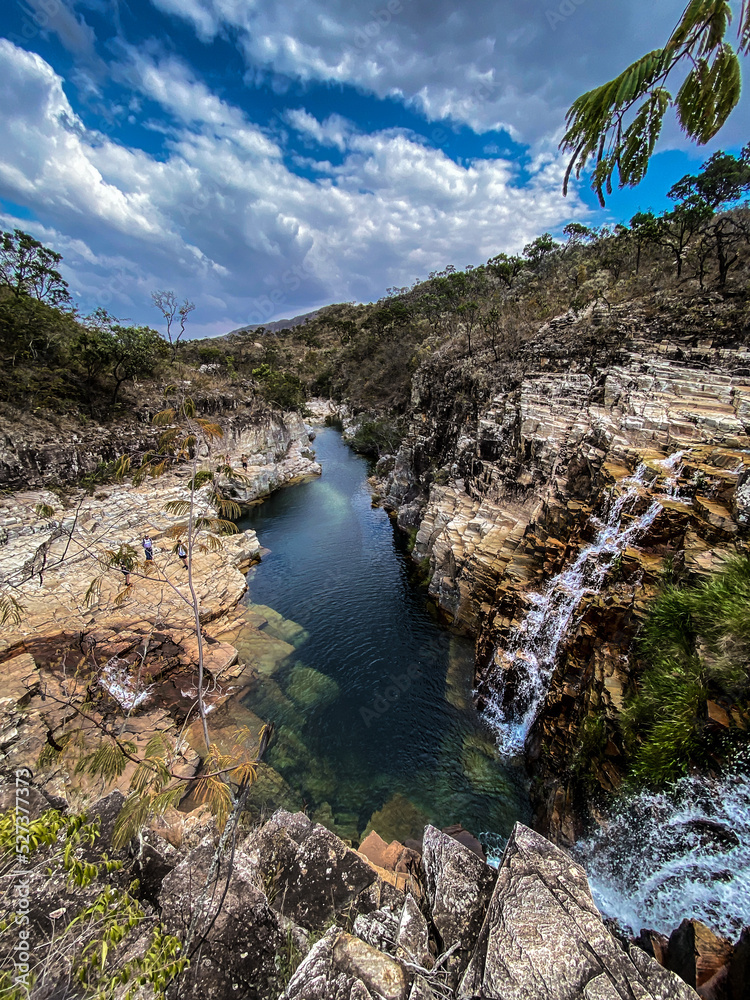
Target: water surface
[[372, 705]]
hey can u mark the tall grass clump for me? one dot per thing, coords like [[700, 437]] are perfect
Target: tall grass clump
[[696, 644]]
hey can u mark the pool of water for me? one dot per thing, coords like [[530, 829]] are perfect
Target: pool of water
[[370, 695]]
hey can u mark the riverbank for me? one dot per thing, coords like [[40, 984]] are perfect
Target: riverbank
[[78, 622]]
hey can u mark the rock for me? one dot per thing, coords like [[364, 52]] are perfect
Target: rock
[[152, 867], [374, 847], [106, 811], [318, 978], [31, 800], [459, 887], [399, 819], [738, 980], [413, 935], [313, 877], [238, 954], [310, 688], [382, 976], [458, 833], [695, 953], [20, 679], [544, 938], [379, 929]]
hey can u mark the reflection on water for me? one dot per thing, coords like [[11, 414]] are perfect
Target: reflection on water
[[371, 698]]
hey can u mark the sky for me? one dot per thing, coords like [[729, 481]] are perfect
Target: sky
[[264, 159]]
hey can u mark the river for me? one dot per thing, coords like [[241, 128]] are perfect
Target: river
[[375, 725]]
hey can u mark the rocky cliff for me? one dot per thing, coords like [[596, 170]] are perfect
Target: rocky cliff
[[614, 443], [294, 912], [41, 449]]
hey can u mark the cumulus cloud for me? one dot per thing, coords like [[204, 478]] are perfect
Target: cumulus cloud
[[334, 131], [223, 219], [505, 65]]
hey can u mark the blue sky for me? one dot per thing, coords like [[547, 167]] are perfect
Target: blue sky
[[265, 159]]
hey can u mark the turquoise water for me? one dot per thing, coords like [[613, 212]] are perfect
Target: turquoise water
[[370, 695]]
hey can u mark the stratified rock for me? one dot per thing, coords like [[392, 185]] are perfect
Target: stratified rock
[[459, 887], [543, 938], [238, 953]]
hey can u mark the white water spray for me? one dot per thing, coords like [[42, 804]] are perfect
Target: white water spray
[[685, 852], [533, 644]]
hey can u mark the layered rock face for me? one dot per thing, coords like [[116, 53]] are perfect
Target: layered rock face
[[38, 450], [81, 621], [511, 471]]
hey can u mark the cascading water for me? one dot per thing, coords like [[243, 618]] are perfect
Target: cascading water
[[533, 645], [685, 852]]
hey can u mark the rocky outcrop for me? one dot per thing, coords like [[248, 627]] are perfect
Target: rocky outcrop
[[83, 628], [544, 938], [292, 912], [41, 448], [509, 470], [459, 887]]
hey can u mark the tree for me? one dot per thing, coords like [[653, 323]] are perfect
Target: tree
[[619, 122], [506, 267], [644, 229], [540, 248], [166, 303], [722, 180], [121, 351], [676, 229], [29, 268]]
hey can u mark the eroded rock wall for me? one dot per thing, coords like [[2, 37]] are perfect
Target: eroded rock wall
[[509, 467]]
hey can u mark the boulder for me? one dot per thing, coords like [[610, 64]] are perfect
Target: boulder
[[413, 935], [242, 932], [378, 929], [459, 887], [695, 953], [341, 967], [310, 873], [543, 938]]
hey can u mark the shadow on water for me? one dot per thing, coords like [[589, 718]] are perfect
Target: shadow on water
[[370, 696]]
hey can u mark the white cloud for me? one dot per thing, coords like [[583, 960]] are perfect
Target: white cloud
[[506, 65], [221, 218], [334, 131]]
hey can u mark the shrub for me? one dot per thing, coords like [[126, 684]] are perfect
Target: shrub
[[696, 643]]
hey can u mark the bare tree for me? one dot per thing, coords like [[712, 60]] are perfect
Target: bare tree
[[166, 303]]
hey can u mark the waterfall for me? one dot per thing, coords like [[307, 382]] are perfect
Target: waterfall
[[685, 852], [533, 644]]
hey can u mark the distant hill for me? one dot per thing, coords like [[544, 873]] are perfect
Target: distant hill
[[279, 324]]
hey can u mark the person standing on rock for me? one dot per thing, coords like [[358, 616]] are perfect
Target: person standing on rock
[[182, 552], [243, 459], [125, 570], [148, 548]]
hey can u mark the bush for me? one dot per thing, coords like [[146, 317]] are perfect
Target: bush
[[696, 642], [377, 437]]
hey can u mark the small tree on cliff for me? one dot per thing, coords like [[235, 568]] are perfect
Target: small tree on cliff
[[173, 313], [29, 268]]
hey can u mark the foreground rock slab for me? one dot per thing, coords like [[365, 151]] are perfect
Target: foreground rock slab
[[543, 937]]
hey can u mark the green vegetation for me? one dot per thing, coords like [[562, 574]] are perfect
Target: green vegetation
[[377, 437], [696, 643], [64, 851], [618, 123]]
